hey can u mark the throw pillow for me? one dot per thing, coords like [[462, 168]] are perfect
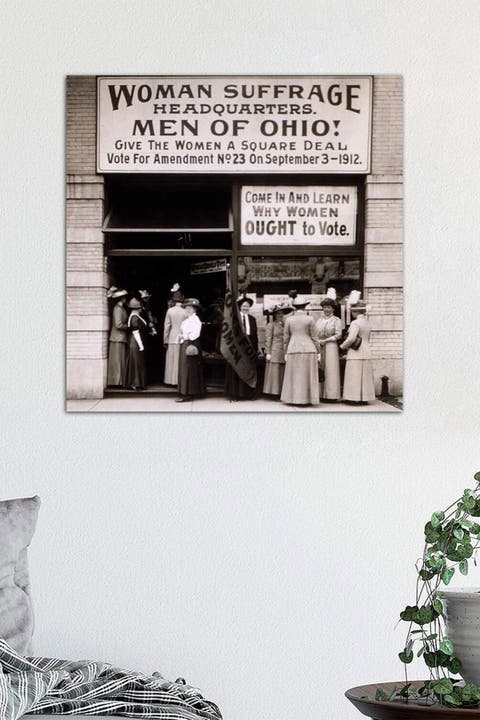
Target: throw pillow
[[17, 525]]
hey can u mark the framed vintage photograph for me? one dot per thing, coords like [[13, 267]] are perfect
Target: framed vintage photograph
[[234, 243]]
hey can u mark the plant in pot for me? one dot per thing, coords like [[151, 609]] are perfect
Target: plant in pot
[[443, 626]]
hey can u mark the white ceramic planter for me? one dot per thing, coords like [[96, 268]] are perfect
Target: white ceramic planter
[[462, 610]]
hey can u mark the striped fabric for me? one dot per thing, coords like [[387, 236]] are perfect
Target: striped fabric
[[46, 685]]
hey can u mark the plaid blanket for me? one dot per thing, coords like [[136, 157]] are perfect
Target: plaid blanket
[[46, 685]]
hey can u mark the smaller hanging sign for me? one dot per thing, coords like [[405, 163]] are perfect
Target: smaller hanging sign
[[208, 266]]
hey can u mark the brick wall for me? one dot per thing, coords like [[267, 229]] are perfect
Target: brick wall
[[387, 131], [383, 233], [81, 124], [87, 280]]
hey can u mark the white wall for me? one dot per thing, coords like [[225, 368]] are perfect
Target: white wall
[[264, 558]]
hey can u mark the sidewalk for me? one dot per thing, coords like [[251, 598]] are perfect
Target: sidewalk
[[166, 403]]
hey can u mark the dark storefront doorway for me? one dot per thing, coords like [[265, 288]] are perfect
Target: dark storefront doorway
[[158, 275]]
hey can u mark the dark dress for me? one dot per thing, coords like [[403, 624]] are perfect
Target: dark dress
[[135, 372], [235, 388], [190, 370]]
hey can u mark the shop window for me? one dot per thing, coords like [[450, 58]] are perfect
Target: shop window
[[146, 216], [268, 280], [156, 207], [309, 275]]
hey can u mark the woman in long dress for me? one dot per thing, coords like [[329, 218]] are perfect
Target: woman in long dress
[[302, 353], [190, 372], [118, 340], [171, 338], [135, 374], [358, 384], [274, 353], [329, 330]]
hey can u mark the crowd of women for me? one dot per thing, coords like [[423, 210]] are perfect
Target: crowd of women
[[302, 356], [132, 321]]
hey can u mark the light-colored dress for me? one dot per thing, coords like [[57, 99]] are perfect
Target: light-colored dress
[[275, 367], [358, 383], [190, 374], [171, 338], [117, 350], [330, 329], [300, 382]]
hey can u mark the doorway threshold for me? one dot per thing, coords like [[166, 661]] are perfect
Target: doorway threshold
[[167, 390]]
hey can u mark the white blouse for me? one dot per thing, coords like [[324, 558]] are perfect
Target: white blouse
[[191, 328]]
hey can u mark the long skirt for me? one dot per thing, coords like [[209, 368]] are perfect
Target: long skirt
[[190, 373], [172, 359], [300, 383], [330, 388], [117, 360], [135, 375], [235, 388], [358, 383], [274, 372]]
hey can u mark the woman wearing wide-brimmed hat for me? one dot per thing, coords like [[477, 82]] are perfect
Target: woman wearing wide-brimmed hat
[[329, 330], [171, 337], [145, 298], [235, 388], [300, 383], [358, 384], [117, 346], [135, 374], [274, 352], [190, 372]]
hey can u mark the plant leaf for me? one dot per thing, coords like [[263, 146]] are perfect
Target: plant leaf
[[392, 693], [426, 574], [465, 550], [424, 615], [406, 656], [437, 518], [442, 659], [431, 533], [463, 567], [454, 665], [409, 613], [447, 575], [443, 687], [446, 646], [470, 692], [430, 659]]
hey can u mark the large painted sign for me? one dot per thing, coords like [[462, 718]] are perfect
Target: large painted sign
[[229, 124]]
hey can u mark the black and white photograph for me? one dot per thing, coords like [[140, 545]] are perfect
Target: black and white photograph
[[234, 243]]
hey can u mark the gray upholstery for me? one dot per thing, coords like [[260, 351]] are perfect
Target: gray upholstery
[[18, 519]]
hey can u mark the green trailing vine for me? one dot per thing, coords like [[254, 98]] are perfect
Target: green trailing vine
[[451, 538]]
